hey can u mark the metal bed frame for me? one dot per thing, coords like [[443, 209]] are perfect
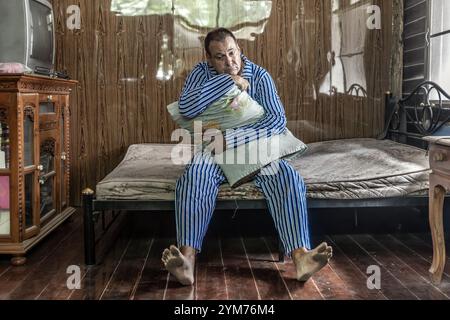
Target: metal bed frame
[[416, 111]]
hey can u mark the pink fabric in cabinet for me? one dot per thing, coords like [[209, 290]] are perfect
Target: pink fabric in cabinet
[[4, 192]]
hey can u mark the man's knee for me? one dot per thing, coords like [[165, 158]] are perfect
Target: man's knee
[[200, 173]]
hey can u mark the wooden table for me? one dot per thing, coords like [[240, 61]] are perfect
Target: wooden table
[[439, 185]]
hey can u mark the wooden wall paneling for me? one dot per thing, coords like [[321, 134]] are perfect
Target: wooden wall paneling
[[102, 115], [396, 41], [87, 120], [142, 101]]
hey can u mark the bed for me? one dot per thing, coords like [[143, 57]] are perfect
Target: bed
[[391, 171]]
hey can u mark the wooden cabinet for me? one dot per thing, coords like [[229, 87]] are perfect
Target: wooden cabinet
[[34, 160]]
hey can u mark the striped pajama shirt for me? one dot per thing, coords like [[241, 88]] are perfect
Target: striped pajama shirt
[[197, 189]]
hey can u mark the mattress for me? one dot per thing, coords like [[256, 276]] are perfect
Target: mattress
[[340, 169]]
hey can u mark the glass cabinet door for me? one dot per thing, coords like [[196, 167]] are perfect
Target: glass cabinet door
[[49, 106], [30, 165], [64, 178], [4, 175], [47, 178], [5, 225], [4, 141]]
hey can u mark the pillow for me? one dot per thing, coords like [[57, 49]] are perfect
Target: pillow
[[235, 109], [14, 67], [241, 164]]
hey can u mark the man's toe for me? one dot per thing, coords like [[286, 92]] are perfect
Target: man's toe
[[174, 250], [166, 253], [322, 247]]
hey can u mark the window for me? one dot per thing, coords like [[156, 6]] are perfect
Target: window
[[439, 44]]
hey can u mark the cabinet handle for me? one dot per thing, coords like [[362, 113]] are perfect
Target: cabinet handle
[[40, 167], [439, 157], [63, 156]]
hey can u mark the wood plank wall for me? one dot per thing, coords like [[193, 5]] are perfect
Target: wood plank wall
[[110, 113]]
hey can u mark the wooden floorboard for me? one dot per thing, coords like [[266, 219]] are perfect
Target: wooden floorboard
[[128, 272], [56, 263], [413, 281], [236, 267], [424, 248], [56, 287], [175, 291], [426, 238], [391, 287], [331, 285], [354, 278], [5, 265], [415, 261], [95, 278], [37, 260], [267, 277], [297, 290], [240, 280], [153, 282], [210, 272]]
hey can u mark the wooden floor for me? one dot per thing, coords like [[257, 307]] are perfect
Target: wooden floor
[[236, 267]]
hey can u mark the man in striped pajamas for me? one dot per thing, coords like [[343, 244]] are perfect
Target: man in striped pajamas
[[197, 189]]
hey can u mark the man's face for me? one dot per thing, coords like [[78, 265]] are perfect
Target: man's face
[[225, 56]]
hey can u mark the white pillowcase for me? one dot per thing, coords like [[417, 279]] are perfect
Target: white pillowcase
[[235, 109]]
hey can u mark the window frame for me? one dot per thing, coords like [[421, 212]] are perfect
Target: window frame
[[428, 37]]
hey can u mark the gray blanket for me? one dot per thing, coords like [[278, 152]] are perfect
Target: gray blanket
[[341, 169]]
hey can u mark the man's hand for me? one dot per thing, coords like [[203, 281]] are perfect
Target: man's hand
[[240, 82]]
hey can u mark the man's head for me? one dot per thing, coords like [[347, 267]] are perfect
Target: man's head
[[223, 52]]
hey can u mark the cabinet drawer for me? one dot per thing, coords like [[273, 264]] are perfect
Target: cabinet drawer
[[48, 104], [48, 111], [440, 158]]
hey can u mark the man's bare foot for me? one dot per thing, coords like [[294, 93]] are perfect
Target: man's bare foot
[[309, 262], [178, 265]]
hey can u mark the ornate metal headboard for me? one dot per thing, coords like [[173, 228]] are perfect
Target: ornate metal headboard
[[422, 113], [357, 90]]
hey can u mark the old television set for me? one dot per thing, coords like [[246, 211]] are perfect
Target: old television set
[[27, 34]]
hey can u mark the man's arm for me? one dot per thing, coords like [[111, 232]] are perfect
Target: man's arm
[[274, 121], [199, 93]]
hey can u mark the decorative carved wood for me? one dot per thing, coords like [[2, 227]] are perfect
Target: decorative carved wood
[[34, 84], [45, 126], [8, 85], [48, 146], [66, 120], [20, 188], [3, 114], [29, 112], [20, 96]]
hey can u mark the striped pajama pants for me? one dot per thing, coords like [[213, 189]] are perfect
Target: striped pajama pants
[[282, 186]]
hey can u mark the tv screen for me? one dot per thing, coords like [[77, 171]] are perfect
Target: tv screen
[[41, 32], [27, 33], [41, 35]]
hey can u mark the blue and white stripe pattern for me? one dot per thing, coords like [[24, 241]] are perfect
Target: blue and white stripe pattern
[[205, 86], [198, 187]]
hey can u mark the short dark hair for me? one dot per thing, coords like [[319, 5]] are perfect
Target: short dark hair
[[218, 35]]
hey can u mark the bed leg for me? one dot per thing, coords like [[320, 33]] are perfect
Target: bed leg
[[89, 232], [280, 251]]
